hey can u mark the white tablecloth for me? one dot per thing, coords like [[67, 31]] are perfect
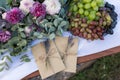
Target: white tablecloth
[[18, 70]]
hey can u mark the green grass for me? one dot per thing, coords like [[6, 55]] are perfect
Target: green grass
[[107, 68]]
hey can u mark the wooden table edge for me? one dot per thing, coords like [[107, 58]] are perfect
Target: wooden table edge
[[85, 59]]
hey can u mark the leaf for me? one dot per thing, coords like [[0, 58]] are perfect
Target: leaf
[[1, 69], [52, 29], [9, 59], [36, 34], [62, 12], [23, 35], [52, 36], [63, 2], [62, 24], [56, 22], [14, 40], [48, 17], [22, 43], [25, 58], [3, 3], [40, 36], [44, 21], [14, 28], [20, 29], [9, 1]]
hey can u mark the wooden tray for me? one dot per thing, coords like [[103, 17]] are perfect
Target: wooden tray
[[85, 59]]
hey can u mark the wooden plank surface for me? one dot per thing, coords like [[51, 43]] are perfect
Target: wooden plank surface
[[85, 59], [108, 52]]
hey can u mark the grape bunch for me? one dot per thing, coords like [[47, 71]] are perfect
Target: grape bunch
[[86, 8], [105, 19]]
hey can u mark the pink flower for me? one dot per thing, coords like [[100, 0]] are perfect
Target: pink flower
[[38, 9], [14, 15], [4, 36]]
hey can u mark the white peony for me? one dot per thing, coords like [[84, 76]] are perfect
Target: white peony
[[25, 5], [52, 6]]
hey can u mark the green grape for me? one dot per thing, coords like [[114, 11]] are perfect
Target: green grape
[[93, 12], [96, 8], [91, 16], [87, 6], [75, 8], [86, 1], [80, 5], [86, 13], [93, 4], [81, 11], [100, 2]]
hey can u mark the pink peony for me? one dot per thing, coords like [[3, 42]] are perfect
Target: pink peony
[[14, 15], [4, 36], [38, 9]]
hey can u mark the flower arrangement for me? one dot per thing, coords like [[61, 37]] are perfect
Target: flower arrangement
[[22, 21]]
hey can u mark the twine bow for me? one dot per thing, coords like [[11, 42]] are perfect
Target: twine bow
[[45, 58]]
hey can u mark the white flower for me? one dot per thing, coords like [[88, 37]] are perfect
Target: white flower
[[25, 5], [27, 30], [52, 6], [4, 15]]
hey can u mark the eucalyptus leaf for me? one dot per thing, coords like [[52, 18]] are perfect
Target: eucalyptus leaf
[[51, 29], [63, 2], [3, 3], [14, 28], [63, 23], [56, 22], [25, 58], [36, 34], [14, 40], [22, 43], [44, 21], [52, 36], [23, 35], [40, 36], [20, 29]]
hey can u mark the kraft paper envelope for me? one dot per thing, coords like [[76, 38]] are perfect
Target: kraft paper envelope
[[68, 50], [48, 63]]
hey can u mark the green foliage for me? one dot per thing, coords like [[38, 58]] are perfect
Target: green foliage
[[107, 68], [3, 4], [54, 25], [25, 58], [3, 62], [49, 27]]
